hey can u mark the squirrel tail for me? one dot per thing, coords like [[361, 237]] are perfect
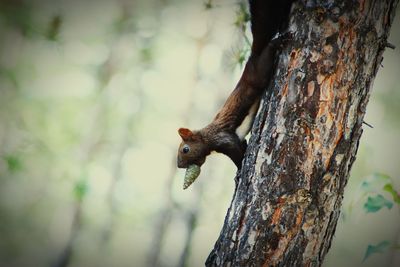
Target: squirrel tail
[[268, 17]]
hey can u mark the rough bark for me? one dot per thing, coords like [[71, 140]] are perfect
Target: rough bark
[[289, 192]]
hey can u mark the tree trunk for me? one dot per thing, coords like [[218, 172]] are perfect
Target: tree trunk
[[304, 141]]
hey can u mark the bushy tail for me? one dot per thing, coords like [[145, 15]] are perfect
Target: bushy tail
[[267, 18]]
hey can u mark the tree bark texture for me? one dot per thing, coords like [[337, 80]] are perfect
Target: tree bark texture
[[305, 138]]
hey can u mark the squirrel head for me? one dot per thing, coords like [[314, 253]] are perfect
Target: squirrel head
[[193, 149]]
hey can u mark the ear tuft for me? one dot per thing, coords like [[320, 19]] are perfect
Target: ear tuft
[[185, 133]]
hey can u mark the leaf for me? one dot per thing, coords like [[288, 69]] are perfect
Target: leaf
[[208, 4], [53, 30], [374, 181], [13, 163], [242, 16], [80, 189], [374, 204], [381, 176], [379, 248], [396, 196]]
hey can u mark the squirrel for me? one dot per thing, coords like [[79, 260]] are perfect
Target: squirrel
[[226, 133]]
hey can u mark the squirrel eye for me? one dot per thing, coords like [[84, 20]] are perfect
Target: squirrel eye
[[185, 149]]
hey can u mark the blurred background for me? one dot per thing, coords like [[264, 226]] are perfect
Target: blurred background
[[91, 96]]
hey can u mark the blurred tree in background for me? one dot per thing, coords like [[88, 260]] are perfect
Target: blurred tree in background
[[91, 96]]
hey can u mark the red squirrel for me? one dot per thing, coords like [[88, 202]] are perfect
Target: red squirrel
[[226, 133]]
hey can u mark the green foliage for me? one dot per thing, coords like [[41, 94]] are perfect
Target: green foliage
[[242, 16], [208, 4], [13, 162], [396, 196], [146, 55], [374, 204], [54, 27], [80, 189], [239, 56], [374, 182], [379, 248], [377, 184]]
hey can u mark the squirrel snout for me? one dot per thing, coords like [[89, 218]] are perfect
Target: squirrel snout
[[180, 163]]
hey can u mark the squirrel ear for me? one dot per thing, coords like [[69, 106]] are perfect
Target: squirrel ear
[[185, 133]]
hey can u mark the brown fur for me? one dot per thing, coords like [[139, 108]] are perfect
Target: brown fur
[[220, 135]]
